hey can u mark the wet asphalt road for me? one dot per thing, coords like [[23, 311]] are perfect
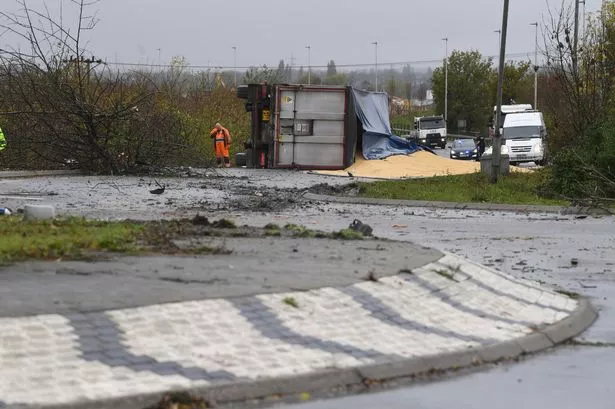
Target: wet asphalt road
[[568, 378], [534, 246]]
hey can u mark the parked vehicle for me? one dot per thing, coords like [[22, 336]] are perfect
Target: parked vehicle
[[429, 131], [525, 134], [464, 149]]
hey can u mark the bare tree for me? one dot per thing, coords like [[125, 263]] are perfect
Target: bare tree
[[579, 81], [578, 94], [63, 103]]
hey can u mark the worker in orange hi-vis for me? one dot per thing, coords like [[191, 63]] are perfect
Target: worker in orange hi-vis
[[222, 143]]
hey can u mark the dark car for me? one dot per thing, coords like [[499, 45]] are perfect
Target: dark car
[[464, 149]]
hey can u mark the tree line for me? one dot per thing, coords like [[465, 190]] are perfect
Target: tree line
[[60, 105]]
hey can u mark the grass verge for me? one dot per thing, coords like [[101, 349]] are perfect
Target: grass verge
[[81, 239], [64, 238], [516, 188]]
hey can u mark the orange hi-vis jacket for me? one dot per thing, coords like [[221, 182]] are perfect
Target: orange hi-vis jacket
[[222, 141]]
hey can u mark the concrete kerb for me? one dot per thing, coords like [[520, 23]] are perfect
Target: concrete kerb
[[458, 206], [321, 381]]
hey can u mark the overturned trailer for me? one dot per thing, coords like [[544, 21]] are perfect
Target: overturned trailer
[[300, 126], [317, 127]]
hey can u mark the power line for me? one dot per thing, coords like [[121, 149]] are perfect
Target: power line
[[356, 65]]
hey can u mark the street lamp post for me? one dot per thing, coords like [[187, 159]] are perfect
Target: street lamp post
[[575, 40], [375, 44], [499, 37], [535, 64], [445, 39], [497, 141], [235, 65], [309, 48]]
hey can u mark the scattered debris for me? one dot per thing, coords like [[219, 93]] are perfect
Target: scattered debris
[[445, 274], [291, 301], [574, 261], [200, 220], [372, 276], [360, 227], [598, 344], [183, 400], [5, 211], [570, 294], [350, 189], [159, 190]]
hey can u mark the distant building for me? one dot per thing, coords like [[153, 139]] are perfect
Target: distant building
[[429, 97], [424, 103]]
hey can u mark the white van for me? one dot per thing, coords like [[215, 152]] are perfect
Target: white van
[[509, 109], [525, 134]]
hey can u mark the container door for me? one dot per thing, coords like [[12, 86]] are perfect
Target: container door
[[286, 136], [311, 133]]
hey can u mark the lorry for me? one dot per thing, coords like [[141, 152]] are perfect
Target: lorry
[[429, 131], [314, 127], [300, 126], [525, 137]]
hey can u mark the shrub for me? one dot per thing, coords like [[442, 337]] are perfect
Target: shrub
[[586, 170]]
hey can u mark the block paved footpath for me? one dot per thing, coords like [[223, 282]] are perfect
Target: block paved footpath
[[446, 313]]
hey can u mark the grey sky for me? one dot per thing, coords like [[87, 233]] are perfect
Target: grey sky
[[204, 31]]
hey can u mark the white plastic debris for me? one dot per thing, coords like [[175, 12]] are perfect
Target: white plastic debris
[[39, 212]]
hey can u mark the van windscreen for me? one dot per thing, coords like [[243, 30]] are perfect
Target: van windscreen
[[518, 132]]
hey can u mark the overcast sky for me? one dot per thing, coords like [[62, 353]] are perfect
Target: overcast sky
[[204, 31]]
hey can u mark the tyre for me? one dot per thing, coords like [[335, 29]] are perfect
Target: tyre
[[240, 159]]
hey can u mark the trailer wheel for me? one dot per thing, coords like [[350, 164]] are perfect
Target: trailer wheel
[[240, 159]]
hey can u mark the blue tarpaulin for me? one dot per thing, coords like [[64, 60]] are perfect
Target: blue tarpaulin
[[372, 109]]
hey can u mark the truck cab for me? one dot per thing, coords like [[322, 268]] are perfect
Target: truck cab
[[525, 134], [430, 131]]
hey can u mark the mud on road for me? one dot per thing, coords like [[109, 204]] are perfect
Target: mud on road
[[193, 191]]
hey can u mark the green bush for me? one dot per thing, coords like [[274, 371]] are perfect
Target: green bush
[[587, 169]]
